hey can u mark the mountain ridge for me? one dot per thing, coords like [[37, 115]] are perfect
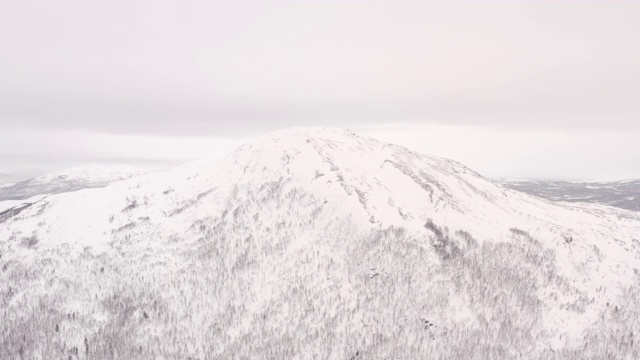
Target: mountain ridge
[[317, 243], [91, 176], [624, 194]]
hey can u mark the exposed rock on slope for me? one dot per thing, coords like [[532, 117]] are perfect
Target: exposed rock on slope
[[317, 243]]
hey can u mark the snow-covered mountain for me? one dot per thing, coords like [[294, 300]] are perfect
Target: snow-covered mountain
[[317, 243], [623, 194], [93, 176]]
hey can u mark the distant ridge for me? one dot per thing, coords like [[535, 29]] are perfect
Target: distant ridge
[[93, 176], [623, 194]]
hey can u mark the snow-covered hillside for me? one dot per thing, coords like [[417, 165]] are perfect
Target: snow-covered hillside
[[317, 244], [93, 176], [623, 194]]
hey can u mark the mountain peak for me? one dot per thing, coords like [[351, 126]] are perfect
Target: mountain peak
[[311, 132], [382, 251]]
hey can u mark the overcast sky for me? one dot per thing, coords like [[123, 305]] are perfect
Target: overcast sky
[[538, 89]]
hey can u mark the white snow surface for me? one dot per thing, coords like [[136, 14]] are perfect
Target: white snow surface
[[311, 243]]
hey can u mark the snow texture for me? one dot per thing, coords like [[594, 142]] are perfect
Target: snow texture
[[317, 244]]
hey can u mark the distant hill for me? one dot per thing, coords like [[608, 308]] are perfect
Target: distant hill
[[6, 180], [67, 180], [622, 194]]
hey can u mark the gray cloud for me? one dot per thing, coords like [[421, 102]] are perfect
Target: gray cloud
[[159, 81], [232, 68]]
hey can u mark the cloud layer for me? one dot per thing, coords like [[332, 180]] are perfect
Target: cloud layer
[[235, 69], [223, 67]]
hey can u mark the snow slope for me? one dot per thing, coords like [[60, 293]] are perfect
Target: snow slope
[[317, 243], [93, 176]]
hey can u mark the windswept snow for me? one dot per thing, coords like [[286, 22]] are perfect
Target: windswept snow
[[317, 243]]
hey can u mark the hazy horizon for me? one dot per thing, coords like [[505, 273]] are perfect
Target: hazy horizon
[[523, 89]]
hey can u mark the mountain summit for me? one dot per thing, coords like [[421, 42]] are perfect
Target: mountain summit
[[317, 243]]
